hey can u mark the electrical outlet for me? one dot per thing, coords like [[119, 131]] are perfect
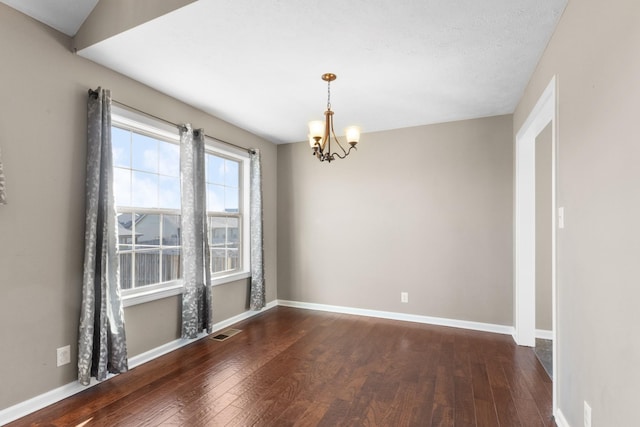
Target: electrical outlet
[[404, 296], [587, 414], [63, 355]]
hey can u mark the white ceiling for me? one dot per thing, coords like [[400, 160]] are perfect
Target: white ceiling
[[65, 16], [400, 63]]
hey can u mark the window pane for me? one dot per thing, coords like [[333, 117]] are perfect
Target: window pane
[[231, 199], [170, 264], [231, 176], [125, 233], [215, 169], [144, 190], [125, 271], [121, 147], [169, 159], [126, 220], [215, 198], [169, 197], [122, 186], [144, 153], [233, 232], [218, 259], [147, 230], [147, 268], [217, 232], [224, 242], [233, 244], [171, 230], [218, 243]]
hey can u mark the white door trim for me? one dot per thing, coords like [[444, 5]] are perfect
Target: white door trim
[[544, 112]]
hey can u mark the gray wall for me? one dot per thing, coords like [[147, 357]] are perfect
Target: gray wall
[[594, 53], [43, 90], [544, 228], [424, 210]]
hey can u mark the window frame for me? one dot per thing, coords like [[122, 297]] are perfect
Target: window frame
[[217, 148], [141, 123]]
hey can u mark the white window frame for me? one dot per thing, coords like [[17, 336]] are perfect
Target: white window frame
[[220, 149], [141, 123]]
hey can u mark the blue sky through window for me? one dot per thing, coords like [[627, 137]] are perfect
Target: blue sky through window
[[147, 171], [223, 177]]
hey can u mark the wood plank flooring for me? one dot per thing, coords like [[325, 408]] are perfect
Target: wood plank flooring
[[294, 367]]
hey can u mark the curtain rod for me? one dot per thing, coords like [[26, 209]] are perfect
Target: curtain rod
[[250, 150]]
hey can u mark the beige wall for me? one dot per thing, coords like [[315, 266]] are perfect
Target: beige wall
[[43, 90], [594, 53], [424, 210], [544, 227]]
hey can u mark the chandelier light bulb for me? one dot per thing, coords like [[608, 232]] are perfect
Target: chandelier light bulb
[[353, 134], [316, 129]]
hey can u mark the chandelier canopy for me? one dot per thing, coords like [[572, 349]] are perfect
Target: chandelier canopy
[[321, 132]]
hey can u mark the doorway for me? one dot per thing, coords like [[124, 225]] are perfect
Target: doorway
[[544, 248], [542, 116]]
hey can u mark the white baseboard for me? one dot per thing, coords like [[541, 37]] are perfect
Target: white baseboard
[[544, 334], [440, 321], [181, 342], [560, 420], [22, 409]]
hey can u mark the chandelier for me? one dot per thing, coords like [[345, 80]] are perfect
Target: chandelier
[[321, 133]]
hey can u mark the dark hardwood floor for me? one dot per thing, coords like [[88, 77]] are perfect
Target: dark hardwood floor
[[307, 368]]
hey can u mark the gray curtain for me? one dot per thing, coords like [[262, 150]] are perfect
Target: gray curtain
[[197, 314], [3, 194], [257, 299], [102, 344]]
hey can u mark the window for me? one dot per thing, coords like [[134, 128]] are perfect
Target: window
[[146, 163], [223, 213], [147, 192], [227, 180]]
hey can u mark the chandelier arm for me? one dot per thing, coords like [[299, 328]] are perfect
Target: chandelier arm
[[345, 154], [337, 140]]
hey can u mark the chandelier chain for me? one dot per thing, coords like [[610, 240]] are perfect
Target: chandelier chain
[[329, 95]]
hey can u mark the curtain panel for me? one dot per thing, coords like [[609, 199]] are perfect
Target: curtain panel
[[197, 305], [257, 298], [102, 343]]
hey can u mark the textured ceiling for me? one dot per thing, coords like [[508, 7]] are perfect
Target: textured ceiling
[[400, 63]]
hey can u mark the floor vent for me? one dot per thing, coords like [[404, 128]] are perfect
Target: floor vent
[[225, 335]]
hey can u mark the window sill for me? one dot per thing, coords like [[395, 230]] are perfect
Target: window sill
[[144, 296], [221, 280]]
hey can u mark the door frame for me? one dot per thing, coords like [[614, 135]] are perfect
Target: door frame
[[543, 113]]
